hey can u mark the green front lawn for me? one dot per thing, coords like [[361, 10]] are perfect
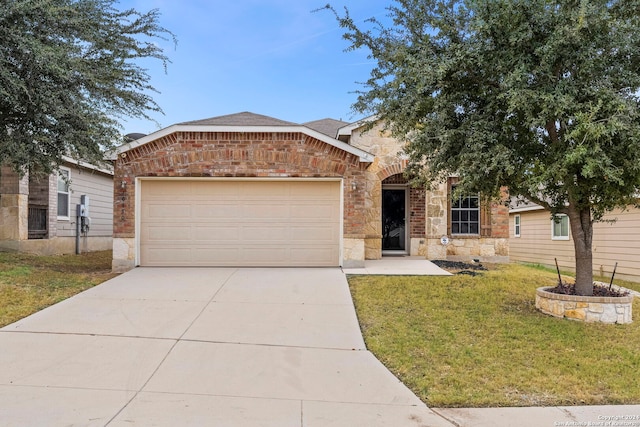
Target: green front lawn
[[29, 283], [466, 341]]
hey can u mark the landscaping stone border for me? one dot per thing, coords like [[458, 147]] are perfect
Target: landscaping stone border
[[585, 308]]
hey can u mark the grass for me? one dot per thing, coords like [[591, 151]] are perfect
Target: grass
[[29, 283], [466, 341]]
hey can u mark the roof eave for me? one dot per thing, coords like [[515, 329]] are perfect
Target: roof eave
[[529, 208], [87, 165], [348, 129]]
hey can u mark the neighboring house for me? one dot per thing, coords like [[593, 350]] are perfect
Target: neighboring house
[[536, 238], [38, 213], [250, 190]]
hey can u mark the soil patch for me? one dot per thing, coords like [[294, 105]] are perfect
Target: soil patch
[[458, 267], [598, 290]]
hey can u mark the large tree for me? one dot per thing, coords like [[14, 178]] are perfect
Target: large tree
[[68, 74], [537, 95]]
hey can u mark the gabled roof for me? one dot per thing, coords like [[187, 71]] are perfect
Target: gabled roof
[[133, 136], [344, 132], [326, 126], [240, 119], [241, 122]]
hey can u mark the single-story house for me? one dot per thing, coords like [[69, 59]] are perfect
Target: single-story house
[[250, 190], [38, 213], [536, 238]]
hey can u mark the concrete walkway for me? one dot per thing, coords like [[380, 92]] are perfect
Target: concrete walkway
[[224, 347], [398, 266], [218, 347]]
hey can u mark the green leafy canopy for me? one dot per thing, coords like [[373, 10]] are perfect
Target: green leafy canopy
[[68, 74], [537, 95], [540, 96]]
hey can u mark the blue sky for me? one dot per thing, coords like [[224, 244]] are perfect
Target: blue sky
[[271, 57]]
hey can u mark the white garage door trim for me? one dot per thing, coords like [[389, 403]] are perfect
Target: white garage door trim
[[139, 183]]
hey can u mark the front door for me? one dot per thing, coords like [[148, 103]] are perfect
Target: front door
[[394, 215]]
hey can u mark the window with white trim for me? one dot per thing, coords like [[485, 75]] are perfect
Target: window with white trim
[[516, 225], [64, 202], [465, 215], [560, 227]]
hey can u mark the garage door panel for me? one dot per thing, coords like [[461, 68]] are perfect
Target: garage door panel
[[167, 256], [169, 210], [204, 190], [318, 189], [213, 233], [240, 223], [258, 233], [169, 234], [264, 211], [316, 212], [208, 256], [174, 188], [302, 254], [220, 210], [259, 190], [319, 235]]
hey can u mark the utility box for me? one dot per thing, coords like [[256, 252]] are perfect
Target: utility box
[[84, 206]]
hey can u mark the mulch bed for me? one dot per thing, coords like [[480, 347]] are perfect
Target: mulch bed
[[457, 267], [598, 290]]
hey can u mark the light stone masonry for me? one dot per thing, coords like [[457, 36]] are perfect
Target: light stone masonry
[[588, 309]]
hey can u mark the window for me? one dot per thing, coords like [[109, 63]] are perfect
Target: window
[[560, 227], [64, 176], [465, 215], [516, 226]]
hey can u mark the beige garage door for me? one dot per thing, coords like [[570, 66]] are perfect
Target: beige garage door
[[239, 223]]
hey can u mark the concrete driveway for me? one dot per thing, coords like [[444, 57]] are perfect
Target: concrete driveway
[[202, 346]]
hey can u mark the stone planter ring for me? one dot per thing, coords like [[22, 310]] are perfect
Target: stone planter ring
[[585, 308]]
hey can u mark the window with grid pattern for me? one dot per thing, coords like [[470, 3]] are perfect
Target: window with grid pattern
[[465, 214]]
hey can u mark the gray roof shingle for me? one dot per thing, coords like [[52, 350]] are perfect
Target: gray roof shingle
[[327, 126], [240, 119]]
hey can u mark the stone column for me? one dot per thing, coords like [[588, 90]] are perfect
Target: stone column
[[14, 205], [437, 217]]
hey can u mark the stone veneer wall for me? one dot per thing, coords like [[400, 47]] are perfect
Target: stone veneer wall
[[14, 206], [224, 154], [387, 163], [430, 217], [493, 247]]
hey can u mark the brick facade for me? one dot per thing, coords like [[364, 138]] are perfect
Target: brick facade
[[236, 155], [500, 216]]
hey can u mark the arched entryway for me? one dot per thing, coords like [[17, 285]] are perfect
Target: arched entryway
[[395, 209], [403, 216]]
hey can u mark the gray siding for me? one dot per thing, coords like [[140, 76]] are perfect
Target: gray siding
[[612, 242], [99, 187]]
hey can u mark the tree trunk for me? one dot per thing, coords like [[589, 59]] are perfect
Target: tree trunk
[[582, 234]]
